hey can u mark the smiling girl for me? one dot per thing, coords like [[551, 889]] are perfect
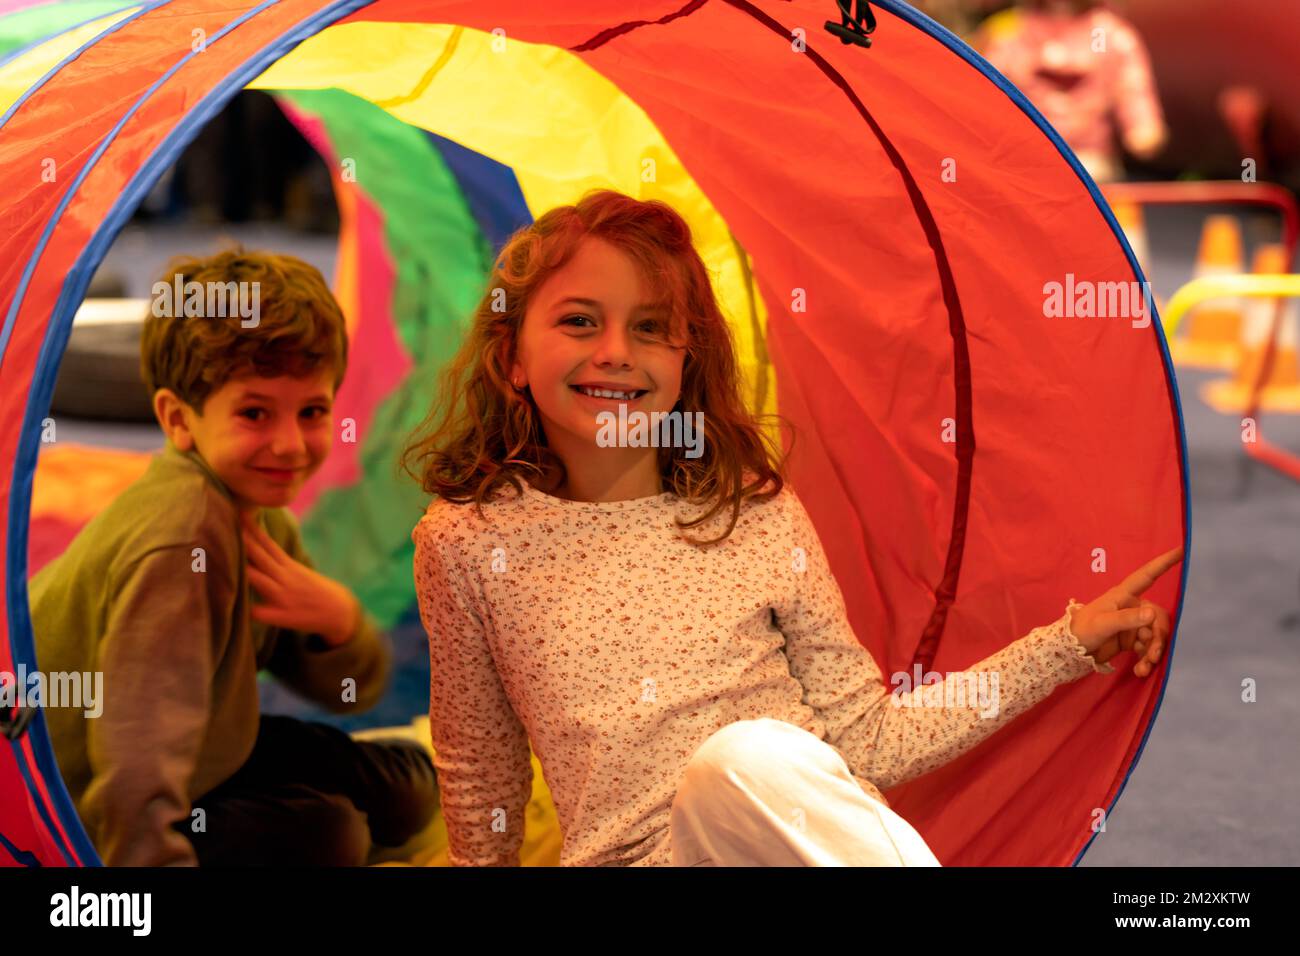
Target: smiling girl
[[664, 629]]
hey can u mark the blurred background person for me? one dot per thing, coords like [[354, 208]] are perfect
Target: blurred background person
[[1087, 71]]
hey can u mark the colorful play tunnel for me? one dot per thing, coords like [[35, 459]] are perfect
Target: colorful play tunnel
[[880, 224]]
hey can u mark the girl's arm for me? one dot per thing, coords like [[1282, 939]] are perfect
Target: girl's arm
[[481, 751], [890, 744]]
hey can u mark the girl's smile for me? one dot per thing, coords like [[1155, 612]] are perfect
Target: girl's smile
[[605, 397]]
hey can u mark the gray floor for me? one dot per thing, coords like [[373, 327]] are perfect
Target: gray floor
[[1218, 780]]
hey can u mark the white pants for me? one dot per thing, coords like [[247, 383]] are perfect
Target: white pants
[[767, 793]]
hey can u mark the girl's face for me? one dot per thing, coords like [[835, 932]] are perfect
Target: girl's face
[[590, 324]]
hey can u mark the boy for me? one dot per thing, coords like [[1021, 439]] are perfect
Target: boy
[[157, 593]]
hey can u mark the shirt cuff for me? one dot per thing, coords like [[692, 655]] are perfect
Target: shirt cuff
[[1077, 646]]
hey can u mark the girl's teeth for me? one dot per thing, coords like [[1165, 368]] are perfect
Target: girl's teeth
[[606, 393]]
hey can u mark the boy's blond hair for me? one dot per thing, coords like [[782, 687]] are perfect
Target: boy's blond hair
[[299, 327]]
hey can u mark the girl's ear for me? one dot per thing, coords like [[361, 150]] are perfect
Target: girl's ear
[[514, 368]]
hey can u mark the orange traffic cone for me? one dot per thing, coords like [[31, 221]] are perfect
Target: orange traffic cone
[[1281, 391], [1213, 337]]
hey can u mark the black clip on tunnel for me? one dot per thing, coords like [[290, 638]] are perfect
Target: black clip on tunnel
[[854, 28]]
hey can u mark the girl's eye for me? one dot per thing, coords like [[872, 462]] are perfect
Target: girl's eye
[[652, 326], [252, 413], [321, 409]]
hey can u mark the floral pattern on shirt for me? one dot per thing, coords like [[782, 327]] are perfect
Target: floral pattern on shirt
[[598, 631]]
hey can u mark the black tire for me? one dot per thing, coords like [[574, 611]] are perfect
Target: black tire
[[99, 376]]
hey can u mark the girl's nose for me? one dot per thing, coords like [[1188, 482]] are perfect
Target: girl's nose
[[612, 347]]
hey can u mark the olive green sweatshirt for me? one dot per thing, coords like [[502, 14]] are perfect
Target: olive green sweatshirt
[[153, 594]]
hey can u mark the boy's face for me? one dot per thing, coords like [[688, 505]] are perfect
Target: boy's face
[[263, 437], [611, 338]]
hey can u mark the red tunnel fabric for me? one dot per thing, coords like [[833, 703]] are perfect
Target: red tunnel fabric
[[901, 195]]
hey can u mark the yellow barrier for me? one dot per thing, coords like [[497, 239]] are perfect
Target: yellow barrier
[[1217, 287]]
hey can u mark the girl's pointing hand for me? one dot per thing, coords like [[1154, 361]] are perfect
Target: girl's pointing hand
[[1121, 620]]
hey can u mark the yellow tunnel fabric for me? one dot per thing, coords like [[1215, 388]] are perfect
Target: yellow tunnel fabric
[[559, 124], [25, 70]]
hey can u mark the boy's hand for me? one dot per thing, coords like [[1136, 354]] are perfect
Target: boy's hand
[[293, 595], [1121, 620]]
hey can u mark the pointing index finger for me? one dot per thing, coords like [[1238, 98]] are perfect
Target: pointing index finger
[[1149, 573]]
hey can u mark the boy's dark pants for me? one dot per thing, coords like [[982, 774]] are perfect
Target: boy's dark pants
[[310, 795]]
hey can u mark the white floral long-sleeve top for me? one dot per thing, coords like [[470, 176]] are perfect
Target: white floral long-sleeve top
[[600, 632]]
